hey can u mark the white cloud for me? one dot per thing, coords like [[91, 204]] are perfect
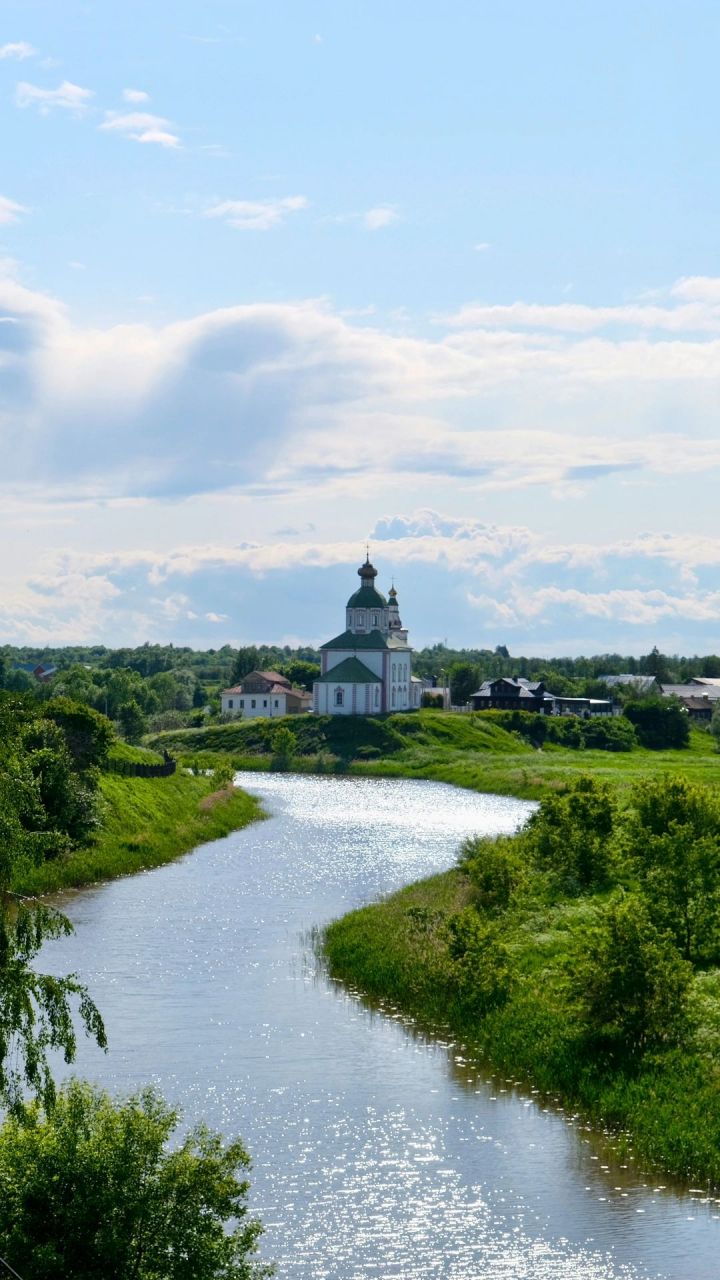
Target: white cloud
[[135, 95], [256, 215], [10, 210], [19, 50], [482, 246], [141, 126], [67, 97], [379, 217]]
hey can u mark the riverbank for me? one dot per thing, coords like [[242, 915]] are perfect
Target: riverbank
[[146, 822], [467, 750], [505, 977]]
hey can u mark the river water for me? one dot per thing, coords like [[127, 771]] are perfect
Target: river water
[[377, 1151]]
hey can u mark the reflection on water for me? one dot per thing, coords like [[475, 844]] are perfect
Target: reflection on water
[[376, 1153]]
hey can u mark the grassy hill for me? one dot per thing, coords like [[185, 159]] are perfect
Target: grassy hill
[[470, 750]]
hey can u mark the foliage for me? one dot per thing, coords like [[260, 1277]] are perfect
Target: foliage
[[246, 660], [569, 836], [88, 734], [599, 733], [464, 680], [495, 868], [283, 745], [673, 838], [89, 1189], [132, 720], [630, 983], [659, 723], [481, 973], [301, 673]]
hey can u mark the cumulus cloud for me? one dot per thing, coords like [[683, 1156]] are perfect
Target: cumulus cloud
[[10, 210], [141, 126], [256, 215], [67, 97], [381, 216], [135, 95], [18, 50]]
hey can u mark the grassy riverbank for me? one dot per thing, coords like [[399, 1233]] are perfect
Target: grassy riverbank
[[145, 823], [472, 751], [587, 991]]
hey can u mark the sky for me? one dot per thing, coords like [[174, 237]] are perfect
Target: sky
[[278, 278]]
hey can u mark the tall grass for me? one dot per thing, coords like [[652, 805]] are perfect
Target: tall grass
[[145, 823]]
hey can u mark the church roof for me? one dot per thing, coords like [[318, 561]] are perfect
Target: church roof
[[351, 671], [366, 597], [373, 640]]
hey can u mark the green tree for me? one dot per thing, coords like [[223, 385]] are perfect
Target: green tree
[[569, 836], [673, 838], [481, 974], [284, 746], [89, 1190], [246, 659], [133, 721], [464, 680], [302, 673], [630, 984], [88, 734], [495, 869], [660, 723]]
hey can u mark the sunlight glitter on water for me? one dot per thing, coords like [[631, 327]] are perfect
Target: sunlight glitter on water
[[377, 1152]]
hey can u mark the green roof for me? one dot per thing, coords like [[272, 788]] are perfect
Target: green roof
[[348, 640], [366, 597], [373, 640], [351, 671]]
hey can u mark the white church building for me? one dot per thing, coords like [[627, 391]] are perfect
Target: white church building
[[367, 670]]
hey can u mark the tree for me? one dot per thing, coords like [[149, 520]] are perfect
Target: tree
[[88, 1189], [246, 660], [464, 680], [631, 985], [660, 723], [132, 721], [569, 836], [302, 673], [673, 837], [88, 734], [284, 745]]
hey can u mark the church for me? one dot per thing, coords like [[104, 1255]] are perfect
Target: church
[[367, 670]]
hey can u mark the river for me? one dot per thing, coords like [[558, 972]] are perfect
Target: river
[[377, 1152]]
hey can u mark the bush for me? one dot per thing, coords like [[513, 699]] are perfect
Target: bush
[[89, 1190], [569, 836], [631, 984], [495, 868], [660, 723]]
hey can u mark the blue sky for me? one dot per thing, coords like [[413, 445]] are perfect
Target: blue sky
[[278, 277]]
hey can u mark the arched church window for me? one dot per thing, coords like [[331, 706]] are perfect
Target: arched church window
[[339, 697], [377, 696], [394, 697]]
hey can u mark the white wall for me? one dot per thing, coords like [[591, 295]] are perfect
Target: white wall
[[266, 704]]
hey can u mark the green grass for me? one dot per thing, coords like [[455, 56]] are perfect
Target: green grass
[[468, 750], [665, 1110], [145, 823]]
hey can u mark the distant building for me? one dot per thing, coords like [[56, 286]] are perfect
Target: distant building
[[367, 669], [585, 708], [640, 684], [264, 693], [512, 693]]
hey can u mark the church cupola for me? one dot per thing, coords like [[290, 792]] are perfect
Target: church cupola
[[394, 623], [366, 608]]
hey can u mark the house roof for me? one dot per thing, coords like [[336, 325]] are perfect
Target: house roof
[[525, 690], [640, 682], [706, 691], [350, 671]]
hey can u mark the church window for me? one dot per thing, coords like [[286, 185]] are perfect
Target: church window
[[375, 619], [393, 697], [394, 669], [377, 696], [339, 697]]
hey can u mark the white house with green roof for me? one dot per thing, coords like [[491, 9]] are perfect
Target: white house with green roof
[[367, 669]]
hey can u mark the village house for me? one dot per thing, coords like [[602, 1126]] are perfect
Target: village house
[[367, 669], [264, 693], [512, 693]]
